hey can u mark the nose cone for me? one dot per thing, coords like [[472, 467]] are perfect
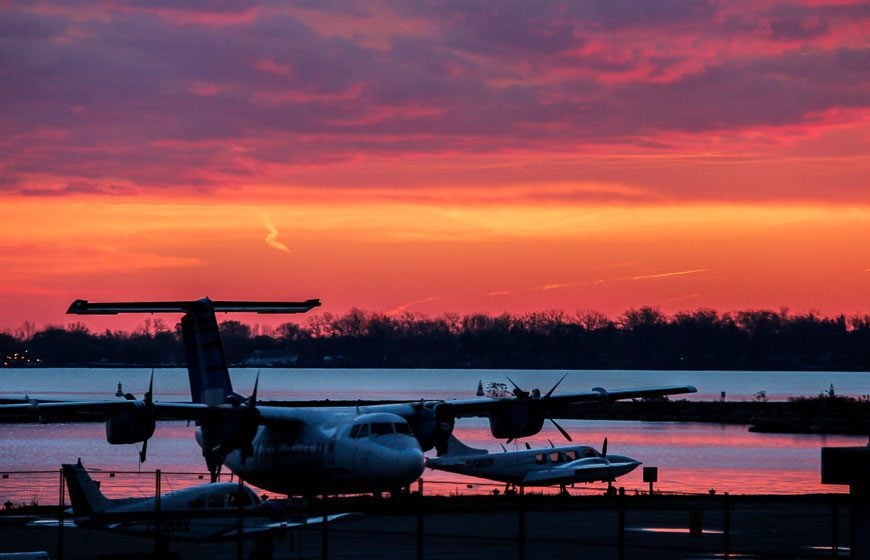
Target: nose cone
[[405, 465], [620, 465]]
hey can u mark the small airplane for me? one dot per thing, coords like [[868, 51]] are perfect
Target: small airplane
[[206, 512], [535, 467], [306, 450]]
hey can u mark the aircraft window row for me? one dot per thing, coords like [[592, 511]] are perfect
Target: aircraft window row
[[221, 500], [561, 457], [379, 429]]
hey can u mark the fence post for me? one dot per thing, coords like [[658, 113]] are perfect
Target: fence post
[[158, 529], [324, 542], [60, 516], [835, 528], [420, 519], [726, 524], [620, 538], [521, 525], [240, 543]]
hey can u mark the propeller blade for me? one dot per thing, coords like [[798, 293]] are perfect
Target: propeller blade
[[509, 441], [528, 446], [561, 429], [550, 392], [604, 448], [253, 398], [150, 394], [517, 387], [144, 452]]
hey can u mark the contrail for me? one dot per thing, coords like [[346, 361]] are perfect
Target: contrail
[[668, 274], [404, 307], [272, 236]]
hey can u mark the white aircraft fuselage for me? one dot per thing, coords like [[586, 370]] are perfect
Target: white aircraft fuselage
[[206, 512], [333, 450], [537, 467]]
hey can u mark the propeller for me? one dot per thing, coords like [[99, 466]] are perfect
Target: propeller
[[535, 394], [239, 430], [148, 399], [604, 448]]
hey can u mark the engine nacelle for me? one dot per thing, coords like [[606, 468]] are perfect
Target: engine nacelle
[[130, 426], [432, 425], [222, 433], [515, 421]]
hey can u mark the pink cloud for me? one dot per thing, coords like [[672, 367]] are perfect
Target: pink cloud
[[109, 98]]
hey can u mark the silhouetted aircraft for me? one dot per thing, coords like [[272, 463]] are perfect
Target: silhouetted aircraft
[[207, 512], [535, 467], [307, 450]]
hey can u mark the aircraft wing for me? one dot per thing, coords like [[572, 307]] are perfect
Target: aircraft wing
[[59, 410], [279, 527], [65, 409], [484, 406], [52, 523]]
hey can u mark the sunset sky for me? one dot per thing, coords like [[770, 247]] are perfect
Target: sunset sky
[[436, 156]]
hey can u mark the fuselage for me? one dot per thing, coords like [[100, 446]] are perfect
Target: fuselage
[[200, 513], [331, 450], [538, 467]]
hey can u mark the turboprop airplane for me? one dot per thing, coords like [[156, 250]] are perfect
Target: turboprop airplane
[[306, 450], [207, 512], [535, 467]]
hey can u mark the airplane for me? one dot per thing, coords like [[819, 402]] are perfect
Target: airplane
[[202, 513], [561, 465], [300, 450]]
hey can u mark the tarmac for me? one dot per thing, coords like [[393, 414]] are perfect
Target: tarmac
[[506, 527]]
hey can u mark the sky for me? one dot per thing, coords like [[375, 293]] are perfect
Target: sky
[[431, 157]]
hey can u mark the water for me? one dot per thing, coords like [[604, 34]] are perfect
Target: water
[[691, 457], [288, 384]]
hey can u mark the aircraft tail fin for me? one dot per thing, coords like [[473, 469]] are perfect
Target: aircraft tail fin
[[206, 362], [84, 493], [457, 448]]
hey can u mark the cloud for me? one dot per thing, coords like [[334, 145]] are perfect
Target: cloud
[[272, 237], [145, 96]]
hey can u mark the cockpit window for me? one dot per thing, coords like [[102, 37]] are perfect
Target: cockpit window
[[359, 431], [402, 428], [589, 453], [571, 455], [381, 428], [238, 499], [216, 500]]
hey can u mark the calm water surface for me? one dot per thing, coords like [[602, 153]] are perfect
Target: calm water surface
[[691, 457]]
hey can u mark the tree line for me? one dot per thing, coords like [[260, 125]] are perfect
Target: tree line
[[642, 338]]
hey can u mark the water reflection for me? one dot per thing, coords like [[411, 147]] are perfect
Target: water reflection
[[690, 457]]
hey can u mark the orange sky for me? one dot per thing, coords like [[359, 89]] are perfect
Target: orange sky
[[403, 157]]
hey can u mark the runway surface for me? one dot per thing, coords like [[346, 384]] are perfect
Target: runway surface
[[655, 528]]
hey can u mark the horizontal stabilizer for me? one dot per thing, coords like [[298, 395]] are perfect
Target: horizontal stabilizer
[[84, 307]]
